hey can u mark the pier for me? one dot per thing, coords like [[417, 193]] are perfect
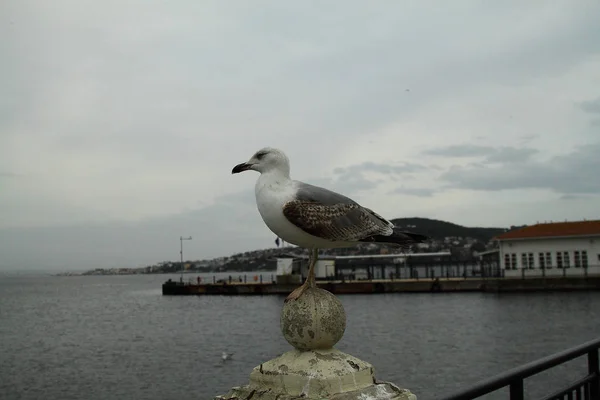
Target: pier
[[388, 273], [375, 286]]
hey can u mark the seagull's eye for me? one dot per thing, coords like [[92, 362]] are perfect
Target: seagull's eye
[[261, 154]]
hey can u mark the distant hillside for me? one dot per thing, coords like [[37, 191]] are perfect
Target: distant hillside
[[437, 229]]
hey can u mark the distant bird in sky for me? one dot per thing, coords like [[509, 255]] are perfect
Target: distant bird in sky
[[313, 217]]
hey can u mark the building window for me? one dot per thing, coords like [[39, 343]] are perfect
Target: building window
[[510, 261], [566, 259], [584, 259], [548, 260], [527, 260], [559, 263], [542, 260], [577, 260]]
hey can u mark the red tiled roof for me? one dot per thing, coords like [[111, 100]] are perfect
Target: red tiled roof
[[554, 229]]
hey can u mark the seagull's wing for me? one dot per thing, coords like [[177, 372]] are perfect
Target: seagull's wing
[[332, 216]]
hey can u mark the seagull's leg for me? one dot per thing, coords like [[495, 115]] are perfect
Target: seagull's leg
[[311, 269], [310, 279]]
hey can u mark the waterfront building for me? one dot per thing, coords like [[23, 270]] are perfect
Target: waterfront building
[[551, 249]]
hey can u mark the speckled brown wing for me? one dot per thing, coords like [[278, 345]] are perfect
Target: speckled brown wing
[[335, 222]]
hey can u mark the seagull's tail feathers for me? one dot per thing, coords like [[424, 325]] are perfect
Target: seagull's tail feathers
[[400, 237]]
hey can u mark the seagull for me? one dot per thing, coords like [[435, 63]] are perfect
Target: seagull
[[226, 356], [314, 217]]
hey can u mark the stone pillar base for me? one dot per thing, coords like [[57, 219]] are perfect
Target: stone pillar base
[[316, 374]]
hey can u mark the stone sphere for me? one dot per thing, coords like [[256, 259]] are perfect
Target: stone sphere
[[316, 320]]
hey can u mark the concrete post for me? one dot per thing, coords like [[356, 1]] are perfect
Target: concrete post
[[313, 324]]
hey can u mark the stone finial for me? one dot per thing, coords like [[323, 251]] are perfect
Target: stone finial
[[313, 324], [316, 320]]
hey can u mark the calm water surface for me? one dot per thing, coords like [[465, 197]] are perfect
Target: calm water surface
[[117, 337]]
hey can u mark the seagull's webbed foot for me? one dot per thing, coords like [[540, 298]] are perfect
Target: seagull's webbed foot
[[295, 295]]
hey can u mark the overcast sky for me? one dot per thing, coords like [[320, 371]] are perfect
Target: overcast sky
[[120, 121]]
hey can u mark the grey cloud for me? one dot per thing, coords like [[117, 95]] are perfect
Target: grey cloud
[[353, 179], [417, 192], [467, 150], [505, 154], [511, 154], [352, 182], [573, 173], [354, 186], [574, 197], [472, 165], [8, 175], [386, 169], [592, 106], [528, 138]]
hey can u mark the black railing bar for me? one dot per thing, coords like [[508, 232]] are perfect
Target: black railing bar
[[594, 369], [524, 371], [576, 385], [517, 390]]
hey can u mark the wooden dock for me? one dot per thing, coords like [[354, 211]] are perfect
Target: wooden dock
[[390, 286]]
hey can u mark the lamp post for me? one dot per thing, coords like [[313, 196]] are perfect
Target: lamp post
[[181, 239]]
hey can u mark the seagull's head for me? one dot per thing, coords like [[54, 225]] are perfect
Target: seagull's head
[[265, 160]]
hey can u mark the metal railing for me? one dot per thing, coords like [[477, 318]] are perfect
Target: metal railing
[[587, 387]]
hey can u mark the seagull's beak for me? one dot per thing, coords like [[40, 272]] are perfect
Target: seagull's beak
[[241, 168]]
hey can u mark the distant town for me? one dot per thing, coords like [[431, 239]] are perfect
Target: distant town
[[463, 242]]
